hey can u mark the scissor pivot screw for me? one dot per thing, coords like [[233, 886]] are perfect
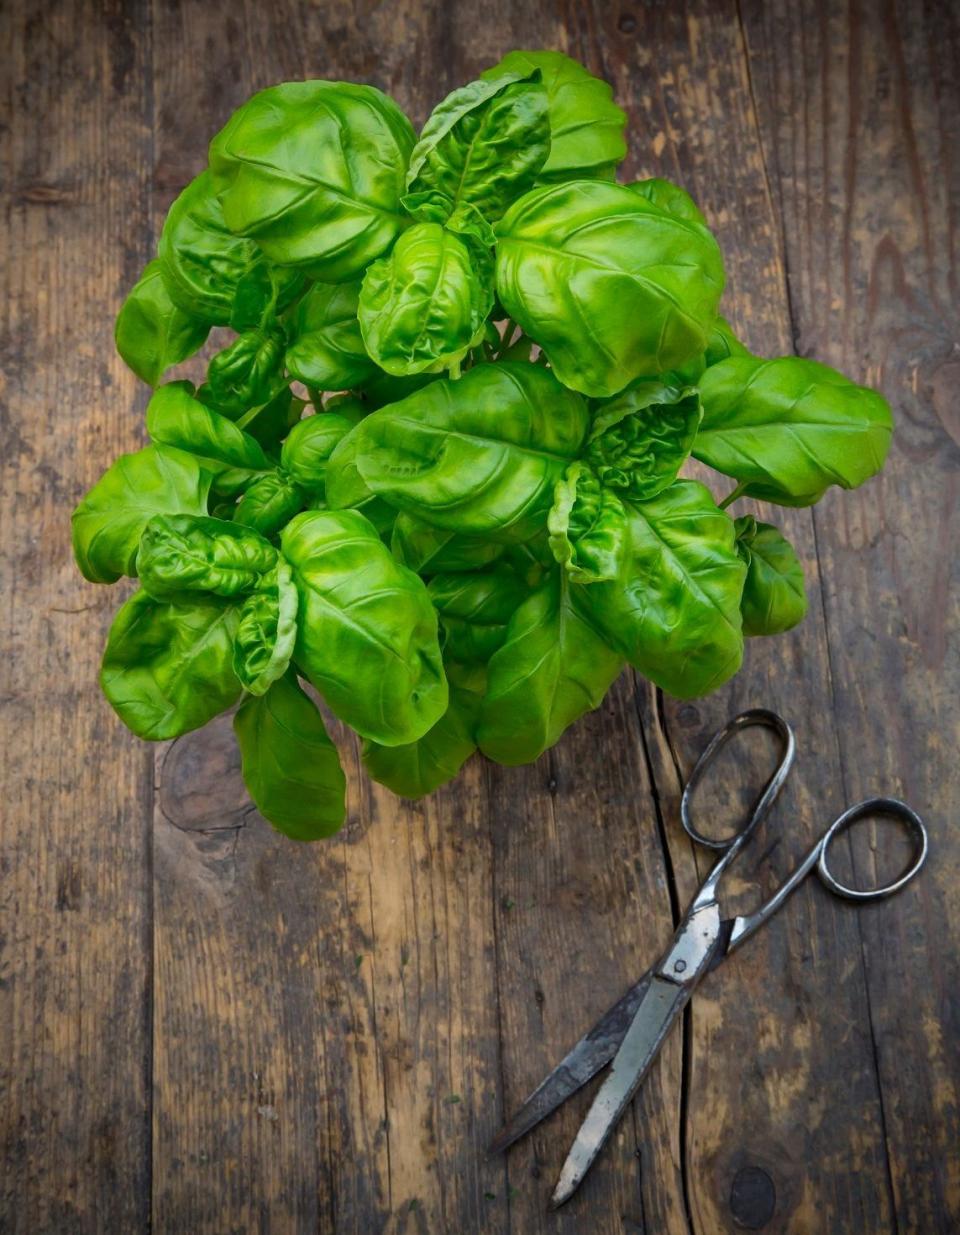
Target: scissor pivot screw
[[679, 966]]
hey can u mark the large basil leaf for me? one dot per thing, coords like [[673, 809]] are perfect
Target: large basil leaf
[[168, 665], [290, 766], [641, 439], [588, 526], [108, 522], [483, 145], [552, 668], [309, 446], [204, 264], [153, 333], [314, 172], [247, 373], [774, 598], [327, 351], [612, 287], [269, 503], [267, 630], [480, 455], [674, 612], [176, 418], [790, 428], [474, 610], [422, 306], [194, 553], [431, 550], [586, 126], [367, 636], [417, 768]]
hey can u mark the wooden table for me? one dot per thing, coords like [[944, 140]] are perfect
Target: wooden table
[[205, 1028]]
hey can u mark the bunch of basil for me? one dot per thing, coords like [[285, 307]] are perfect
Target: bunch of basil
[[475, 518]]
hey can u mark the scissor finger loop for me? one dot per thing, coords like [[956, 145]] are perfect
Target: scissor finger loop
[[891, 808]]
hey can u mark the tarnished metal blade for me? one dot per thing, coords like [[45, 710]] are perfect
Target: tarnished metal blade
[[594, 1050], [658, 1009]]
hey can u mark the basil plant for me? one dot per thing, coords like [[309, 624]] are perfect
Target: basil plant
[[435, 470]]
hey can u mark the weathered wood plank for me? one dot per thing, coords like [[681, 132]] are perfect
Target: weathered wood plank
[[74, 828], [859, 105]]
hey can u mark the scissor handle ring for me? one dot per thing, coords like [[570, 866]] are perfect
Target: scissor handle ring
[[874, 806], [753, 718]]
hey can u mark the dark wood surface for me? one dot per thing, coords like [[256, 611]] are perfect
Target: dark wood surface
[[204, 1028]]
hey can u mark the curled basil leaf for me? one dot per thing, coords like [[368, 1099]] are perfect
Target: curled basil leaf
[[168, 665], [586, 126], [195, 553], [552, 668], [327, 351], [108, 522], [267, 630], [269, 503], [774, 598], [641, 439], [432, 550], [367, 632], [474, 610], [612, 287], [587, 525], [314, 171], [790, 428], [152, 332], [290, 766], [422, 306], [248, 373], [309, 446], [176, 418]]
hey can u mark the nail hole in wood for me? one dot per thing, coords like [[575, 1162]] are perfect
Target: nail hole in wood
[[753, 1198]]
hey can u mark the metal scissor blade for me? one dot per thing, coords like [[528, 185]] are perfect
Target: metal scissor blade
[[659, 1008], [594, 1050]]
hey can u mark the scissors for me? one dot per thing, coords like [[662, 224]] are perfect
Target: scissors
[[633, 1030]]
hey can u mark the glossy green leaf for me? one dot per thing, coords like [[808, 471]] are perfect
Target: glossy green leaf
[[193, 553], [327, 351], [204, 264], [267, 630], [247, 373], [367, 636], [552, 668], [774, 598], [612, 287], [309, 446], [385, 388], [430, 550], [480, 455], [586, 126], [674, 612], [176, 418], [314, 172], [269, 503], [422, 306], [474, 610], [290, 766], [790, 428], [641, 439], [108, 522], [484, 144], [153, 333], [588, 526], [669, 197], [168, 665], [722, 344]]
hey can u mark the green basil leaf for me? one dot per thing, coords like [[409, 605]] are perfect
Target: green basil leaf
[[474, 610], [586, 126], [194, 553], [269, 503], [108, 522], [612, 287], [790, 428], [309, 446], [674, 612], [552, 668], [246, 374], [422, 306], [327, 351], [367, 636], [430, 550], [272, 420], [168, 665], [722, 344], [479, 455], [153, 333], [385, 388], [267, 630], [484, 144], [176, 418], [641, 439], [774, 598], [587, 524], [669, 197], [204, 264], [314, 171], [290, 766]]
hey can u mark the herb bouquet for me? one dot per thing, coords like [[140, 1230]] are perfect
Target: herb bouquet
[[472, 517]]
